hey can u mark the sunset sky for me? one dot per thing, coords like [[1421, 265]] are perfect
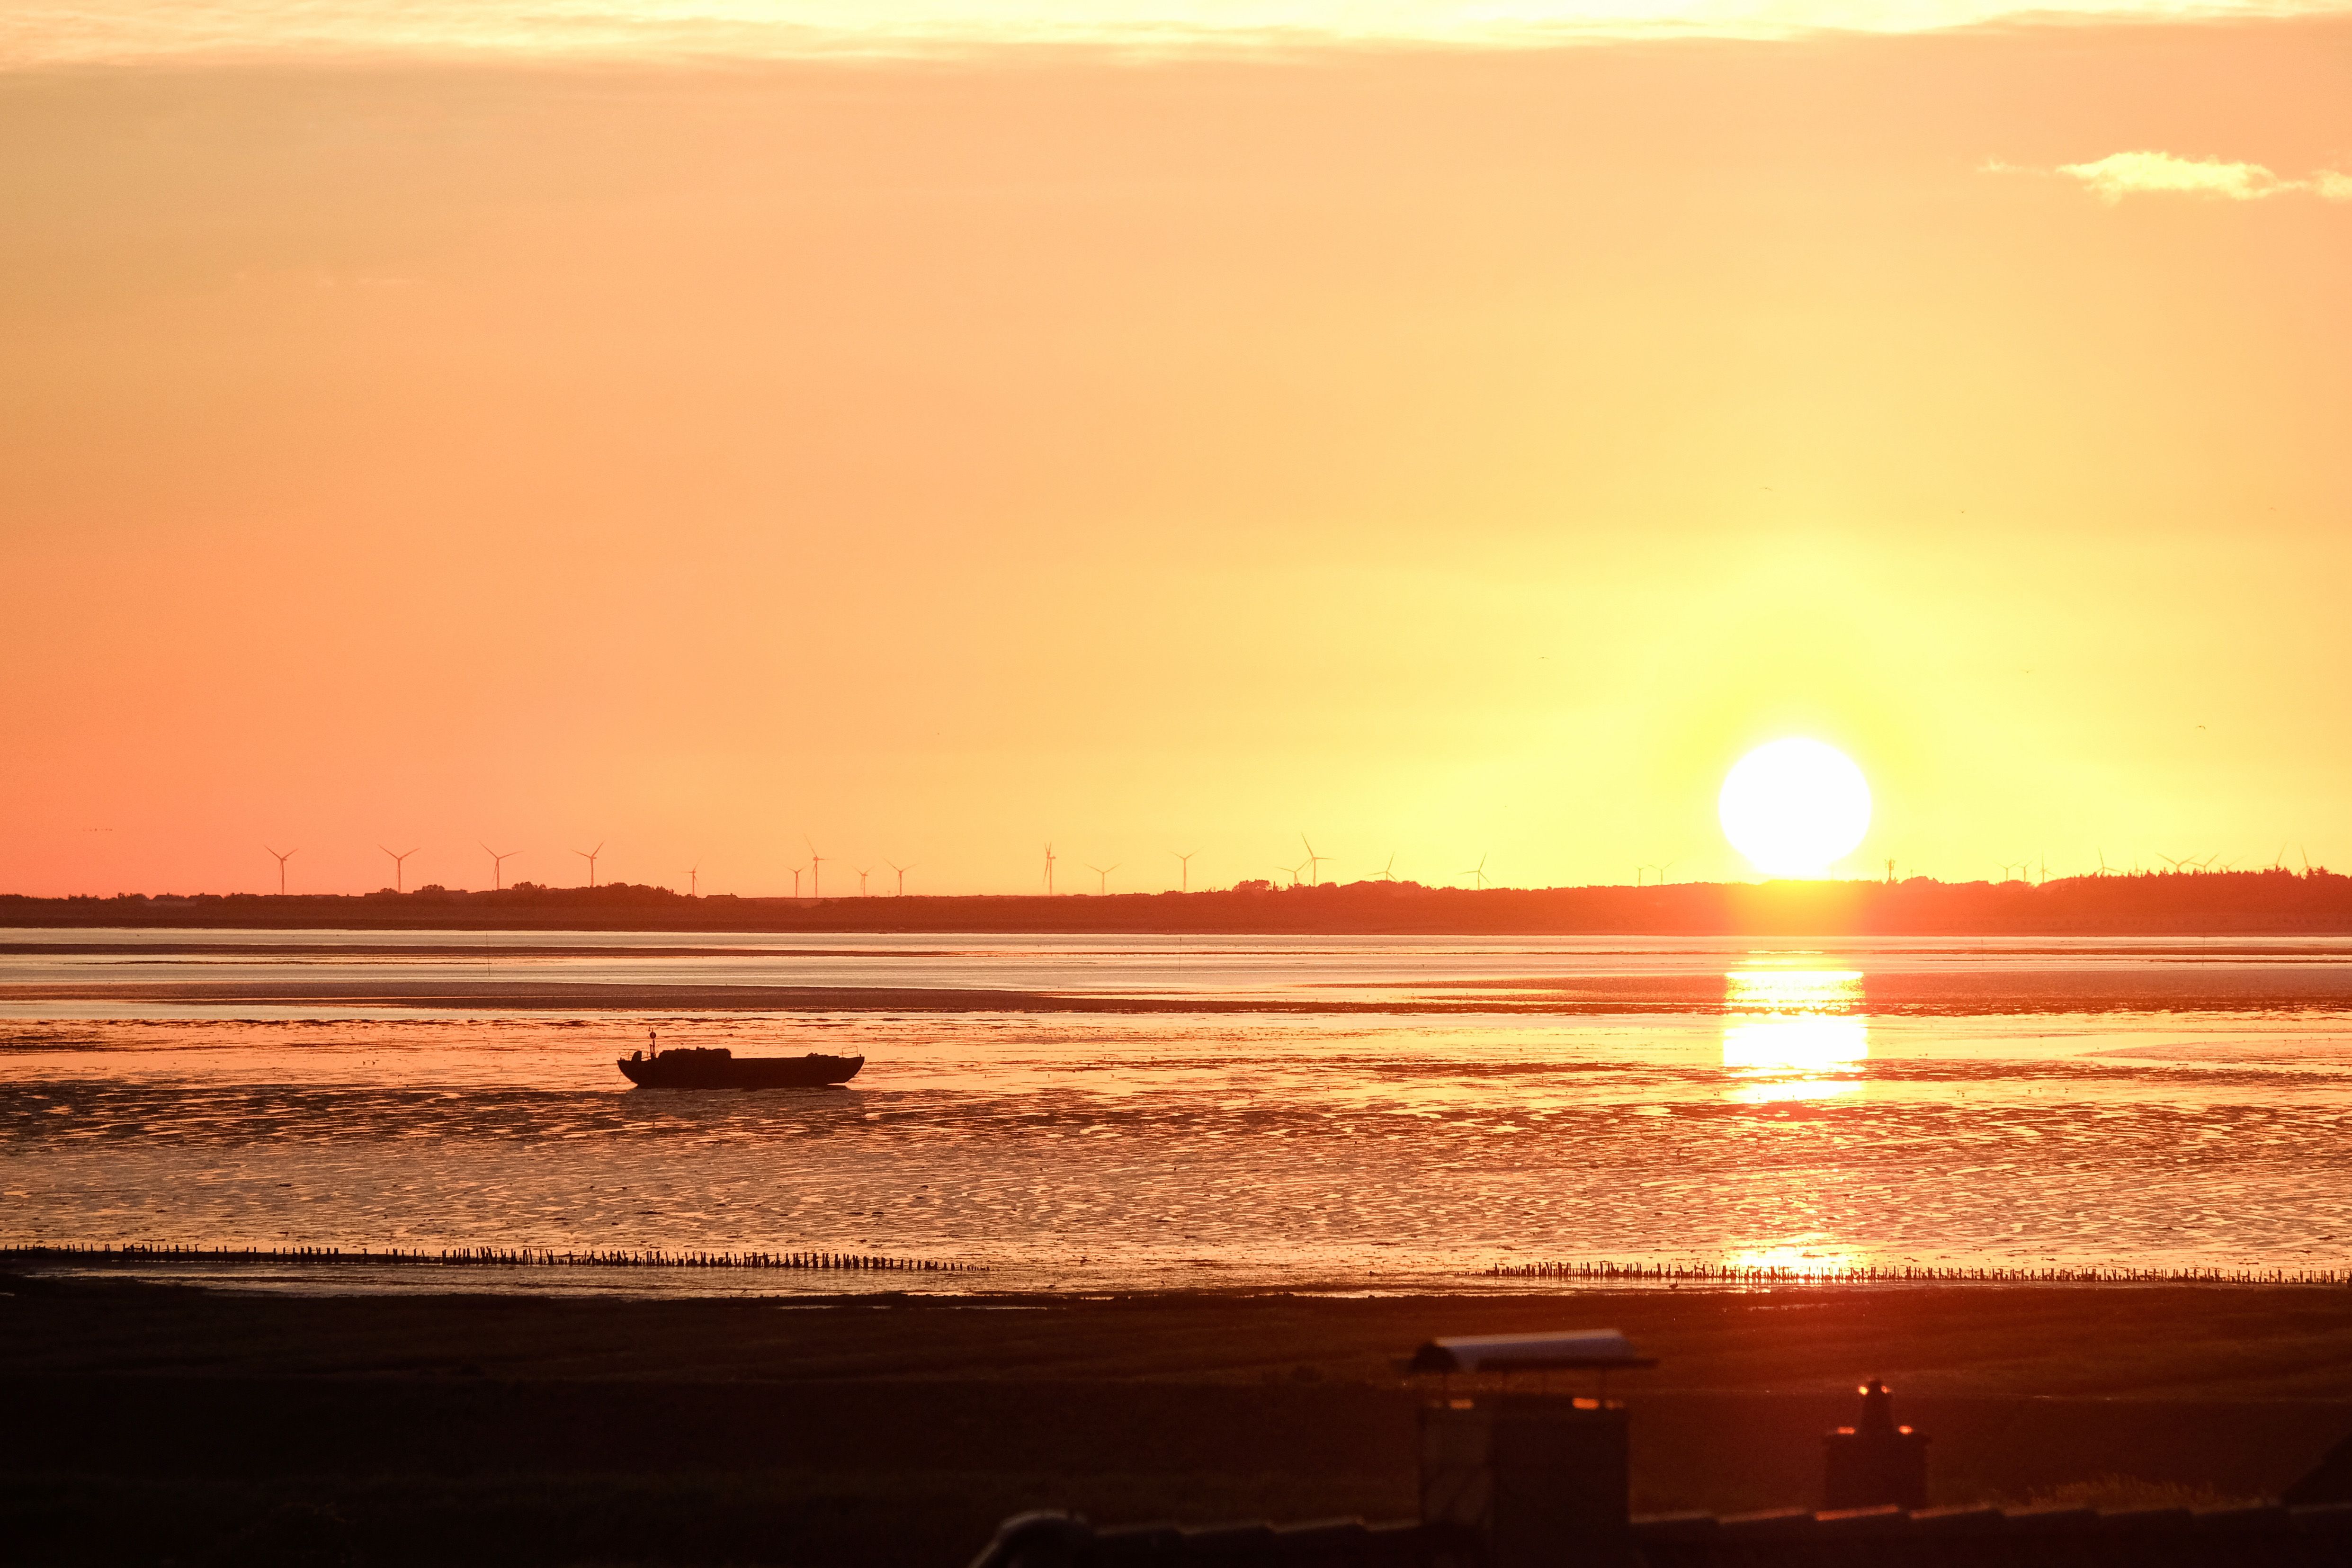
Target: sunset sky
[[938, 428]]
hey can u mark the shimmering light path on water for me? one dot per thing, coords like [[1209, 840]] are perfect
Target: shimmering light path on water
[[1784, 1118]]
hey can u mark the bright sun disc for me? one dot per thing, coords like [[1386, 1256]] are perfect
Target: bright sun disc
[[1794, 807]]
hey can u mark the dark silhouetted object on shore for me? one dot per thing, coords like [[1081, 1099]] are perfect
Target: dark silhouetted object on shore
[[1875, 1463], [1523, 1474], [1514, 1474]]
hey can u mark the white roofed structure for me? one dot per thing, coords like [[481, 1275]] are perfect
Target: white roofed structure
[[1562, 1350]]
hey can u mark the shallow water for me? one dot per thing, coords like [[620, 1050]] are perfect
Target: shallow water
[[2136, 1104]]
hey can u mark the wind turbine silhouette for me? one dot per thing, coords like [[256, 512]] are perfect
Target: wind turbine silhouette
[[863, 872], [816, 870], [498, 863], [1049, 870], [902, 871], [1104, 873], [282, 865], [1184, 869], [797, 880], [1479, 872], [693, 880], [399, 866], [590, 855], [1314, 863], [1391, 866], [2103, 863], [1292, 871]]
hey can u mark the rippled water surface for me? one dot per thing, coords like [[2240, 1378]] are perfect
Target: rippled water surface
[[1381, 1112]]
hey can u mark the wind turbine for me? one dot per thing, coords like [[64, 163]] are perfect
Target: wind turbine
[[796, 881], [1314, 863], [816, 870], [1184, 869], [281, 867], [1049, 870], [693, 880], [1103, 872], [902, 871], [863, 872], [1479, 872], [399, 865], [1391, 866], [1292, 871], [498, 863], [590, 855], [2102, 864]]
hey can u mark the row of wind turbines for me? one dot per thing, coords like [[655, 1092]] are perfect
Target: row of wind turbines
[[1311, 868], [2034, 868], [498, 859]]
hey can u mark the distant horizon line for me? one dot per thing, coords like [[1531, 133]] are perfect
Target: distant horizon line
[[1251, 887]]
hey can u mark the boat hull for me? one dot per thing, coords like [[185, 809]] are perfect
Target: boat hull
[[717, 1069]]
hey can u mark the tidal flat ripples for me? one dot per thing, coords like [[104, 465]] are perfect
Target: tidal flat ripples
[[1780, 1116]]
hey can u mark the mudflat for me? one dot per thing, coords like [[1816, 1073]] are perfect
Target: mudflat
[[152, 1421]]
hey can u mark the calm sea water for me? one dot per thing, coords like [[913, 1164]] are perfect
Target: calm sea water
[[1370, 1113]]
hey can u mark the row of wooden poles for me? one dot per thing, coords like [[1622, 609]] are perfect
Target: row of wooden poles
[[1908, 1273], [525, 1256]]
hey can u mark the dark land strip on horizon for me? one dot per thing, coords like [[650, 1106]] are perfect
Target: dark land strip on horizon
[[153, 1420], [2271, 903]]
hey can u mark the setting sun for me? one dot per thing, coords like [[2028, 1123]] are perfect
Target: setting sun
[[1794, 807]]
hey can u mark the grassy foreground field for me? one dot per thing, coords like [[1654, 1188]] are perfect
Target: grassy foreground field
[[152, 1423]]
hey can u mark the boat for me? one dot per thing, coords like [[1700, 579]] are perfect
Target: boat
[[716, 1066]]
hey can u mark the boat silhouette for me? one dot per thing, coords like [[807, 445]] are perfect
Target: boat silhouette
[[716, 1066]]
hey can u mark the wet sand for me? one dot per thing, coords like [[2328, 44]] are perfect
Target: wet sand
[[2327, 991], [157, 1421]]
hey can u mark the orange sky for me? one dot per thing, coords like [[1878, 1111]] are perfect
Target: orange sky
[[1442, 452]]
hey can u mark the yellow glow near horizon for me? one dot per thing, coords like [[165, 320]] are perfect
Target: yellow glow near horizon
[[1794, 807]]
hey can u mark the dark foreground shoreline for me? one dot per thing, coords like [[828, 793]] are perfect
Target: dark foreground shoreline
[[154, 1422]]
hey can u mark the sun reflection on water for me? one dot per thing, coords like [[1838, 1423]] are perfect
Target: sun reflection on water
[[1794, 1033], [1797, 1259]]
